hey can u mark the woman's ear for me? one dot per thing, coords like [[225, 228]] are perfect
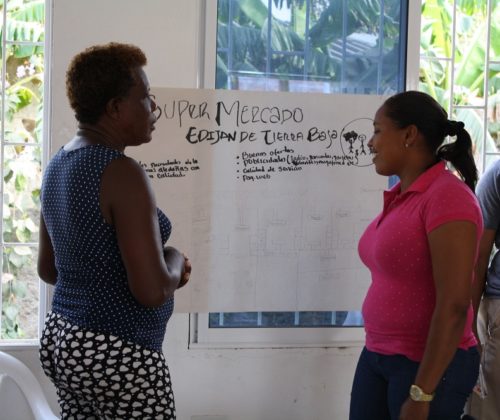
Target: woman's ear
[[411, 134], [113, 108]]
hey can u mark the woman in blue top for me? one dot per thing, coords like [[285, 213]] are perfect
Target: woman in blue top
[[102, 244]]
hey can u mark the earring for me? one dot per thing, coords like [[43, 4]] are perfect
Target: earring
[[407, 145]]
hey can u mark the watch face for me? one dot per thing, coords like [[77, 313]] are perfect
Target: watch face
[[415, 392]]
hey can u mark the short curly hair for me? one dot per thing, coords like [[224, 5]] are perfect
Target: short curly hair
[[99, 74]]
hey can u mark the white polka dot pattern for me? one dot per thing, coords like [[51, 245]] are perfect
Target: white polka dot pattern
[[99, 376], [92, 289]]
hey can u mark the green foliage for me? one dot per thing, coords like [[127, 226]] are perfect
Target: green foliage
[[289, 3], [470, 57], [254, 11], [22, 160], [25, 23], [291, 52]]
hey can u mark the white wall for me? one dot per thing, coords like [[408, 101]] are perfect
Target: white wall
[[245, 384]]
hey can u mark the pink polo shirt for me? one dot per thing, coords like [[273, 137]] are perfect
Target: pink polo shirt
[[400, 301]]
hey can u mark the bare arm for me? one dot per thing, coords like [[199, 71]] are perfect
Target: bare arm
[[453, 248], [46, 264], [128, 203]]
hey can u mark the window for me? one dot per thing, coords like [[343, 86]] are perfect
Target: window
[[305, 319], [459, 64], [328, 46], [22, 88], [460, 67]]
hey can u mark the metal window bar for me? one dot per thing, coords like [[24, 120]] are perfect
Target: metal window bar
[[2, 141], [269, 32], [487, 63], [453, 54], [230, 42], [307, 44], [479, 107], [45, 292], [270, 51], [259, 319], [11, 244], [26, 43], [403, 37], [430, 58], [344, 45], [380, 47]]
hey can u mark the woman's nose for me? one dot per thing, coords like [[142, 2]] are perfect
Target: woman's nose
[[156, 111], [154, 106], [370, 144]]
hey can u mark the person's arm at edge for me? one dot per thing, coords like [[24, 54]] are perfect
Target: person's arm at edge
[[453, 248], [46, 263], [483, 259], [128, 202]]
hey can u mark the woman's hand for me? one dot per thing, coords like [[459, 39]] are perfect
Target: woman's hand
[[186, 273], [413, 410]]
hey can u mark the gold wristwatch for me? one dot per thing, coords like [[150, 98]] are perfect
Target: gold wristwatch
[[417, 394]]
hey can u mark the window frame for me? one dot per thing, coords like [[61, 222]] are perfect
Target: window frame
[[200, 335], [44, 292]]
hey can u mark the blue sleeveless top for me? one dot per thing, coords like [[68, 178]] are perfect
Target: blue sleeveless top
[[92, 289]]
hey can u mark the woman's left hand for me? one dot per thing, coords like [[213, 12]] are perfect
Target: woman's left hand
[[186, 273], [413, 410]]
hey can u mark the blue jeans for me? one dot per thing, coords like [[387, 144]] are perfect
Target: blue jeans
[[382, 383]]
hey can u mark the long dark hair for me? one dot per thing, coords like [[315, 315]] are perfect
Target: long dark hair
[[432, 121]]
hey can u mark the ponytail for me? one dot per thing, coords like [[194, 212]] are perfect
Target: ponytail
[[459, 153], [421, 110]]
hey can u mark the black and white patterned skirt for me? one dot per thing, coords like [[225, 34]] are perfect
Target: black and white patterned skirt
[[100, 376]]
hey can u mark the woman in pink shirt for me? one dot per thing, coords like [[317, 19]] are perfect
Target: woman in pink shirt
[[420, 360]]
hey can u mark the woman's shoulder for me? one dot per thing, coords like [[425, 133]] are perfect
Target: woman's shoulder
[[449, 193], [449, 199], [125, 166], [127, 174], [449, 182]]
